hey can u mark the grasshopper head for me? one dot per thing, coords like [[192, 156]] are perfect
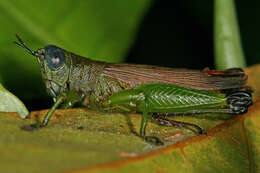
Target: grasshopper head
[[55, 66]]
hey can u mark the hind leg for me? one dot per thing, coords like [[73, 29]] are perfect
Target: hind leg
[[150, 139], [167, 122]]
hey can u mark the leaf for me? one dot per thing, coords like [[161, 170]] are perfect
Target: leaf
[[254, 80], [229, 147], [10, 103], [101, 30], [81, 140]]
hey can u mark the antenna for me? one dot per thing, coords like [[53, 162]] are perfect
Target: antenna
[[23, 46]]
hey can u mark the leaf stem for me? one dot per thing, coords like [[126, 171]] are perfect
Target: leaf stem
[[227, 45]]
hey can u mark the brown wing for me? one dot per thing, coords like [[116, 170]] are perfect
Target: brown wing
[[206, 79]]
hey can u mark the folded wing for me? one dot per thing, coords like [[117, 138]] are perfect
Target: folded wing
[[206, 79]]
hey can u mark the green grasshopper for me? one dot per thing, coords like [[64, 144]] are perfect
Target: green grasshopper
[[150, 90]]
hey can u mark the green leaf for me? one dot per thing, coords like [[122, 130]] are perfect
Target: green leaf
[[10, 103], [228, 49], [78, 137], [102, 30]]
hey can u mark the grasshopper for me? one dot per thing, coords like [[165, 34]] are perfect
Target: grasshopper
[[150, 90]]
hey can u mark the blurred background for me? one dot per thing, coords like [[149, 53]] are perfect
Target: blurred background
[[167, 33]]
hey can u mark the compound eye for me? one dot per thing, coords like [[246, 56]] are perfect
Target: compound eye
[[54, 56]]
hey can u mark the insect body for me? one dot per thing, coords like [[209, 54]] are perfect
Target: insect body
[[70, 78]]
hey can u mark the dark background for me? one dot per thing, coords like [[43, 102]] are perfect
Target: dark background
[[180, 34]]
